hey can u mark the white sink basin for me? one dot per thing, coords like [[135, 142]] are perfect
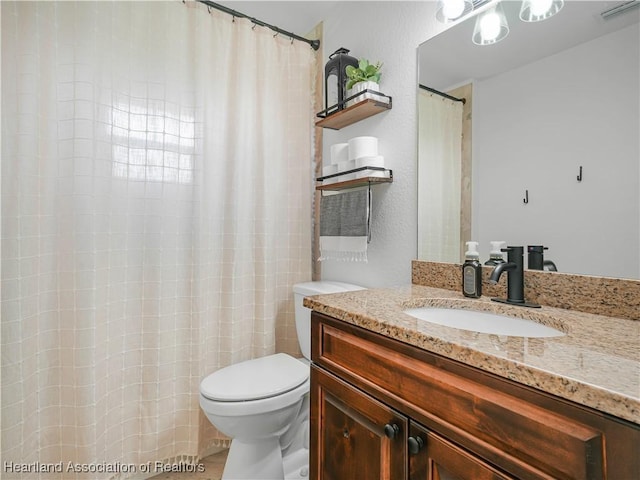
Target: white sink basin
[[483, 322]]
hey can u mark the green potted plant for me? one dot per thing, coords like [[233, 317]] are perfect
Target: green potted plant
[[366, 76]]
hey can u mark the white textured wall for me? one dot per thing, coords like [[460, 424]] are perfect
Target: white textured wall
[[389, 32]]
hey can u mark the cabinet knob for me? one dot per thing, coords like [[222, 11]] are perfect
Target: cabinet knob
[[415, 445], [391, 430]]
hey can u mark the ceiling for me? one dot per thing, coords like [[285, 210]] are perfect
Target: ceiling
[[458, 59]]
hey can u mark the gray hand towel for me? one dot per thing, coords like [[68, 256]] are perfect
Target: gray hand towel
[[344, 226]]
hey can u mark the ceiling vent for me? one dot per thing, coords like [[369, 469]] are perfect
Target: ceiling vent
[[621, 8]]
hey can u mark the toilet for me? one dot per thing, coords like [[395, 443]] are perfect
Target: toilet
[[263, 405]]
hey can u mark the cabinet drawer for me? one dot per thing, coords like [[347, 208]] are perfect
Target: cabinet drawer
[[534, 441]]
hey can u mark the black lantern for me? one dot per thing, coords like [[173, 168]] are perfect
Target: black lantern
[[335, 80]]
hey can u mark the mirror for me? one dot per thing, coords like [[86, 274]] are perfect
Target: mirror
[[555, 134]]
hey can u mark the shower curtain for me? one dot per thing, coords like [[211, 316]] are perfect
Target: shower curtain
[[156, 210], [439, 177]]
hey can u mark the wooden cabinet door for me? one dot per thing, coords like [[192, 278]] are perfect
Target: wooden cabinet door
[[431, 457], [354, 436]]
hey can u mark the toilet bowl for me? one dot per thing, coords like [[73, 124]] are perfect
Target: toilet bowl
[[263, 406]]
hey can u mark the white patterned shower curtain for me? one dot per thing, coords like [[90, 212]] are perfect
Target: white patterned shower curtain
[[156, 210], [439, 177]]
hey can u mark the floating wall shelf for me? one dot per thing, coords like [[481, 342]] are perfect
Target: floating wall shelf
[[356, 182], [354, 113]]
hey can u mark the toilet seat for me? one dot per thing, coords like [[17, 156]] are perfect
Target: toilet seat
[[255, 379]]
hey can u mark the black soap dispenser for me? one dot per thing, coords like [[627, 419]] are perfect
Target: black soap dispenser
[[472, 272]]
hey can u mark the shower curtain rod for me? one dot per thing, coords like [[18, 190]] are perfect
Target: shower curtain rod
[[442, 94], [315, 44]]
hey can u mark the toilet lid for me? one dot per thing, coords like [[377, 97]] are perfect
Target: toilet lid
[[254, 379]]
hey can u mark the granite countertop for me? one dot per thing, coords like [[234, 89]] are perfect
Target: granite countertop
[[596, 363]]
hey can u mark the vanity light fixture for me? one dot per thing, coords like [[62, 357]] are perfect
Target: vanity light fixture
[[491, 26], [451, 10], [538, 10]]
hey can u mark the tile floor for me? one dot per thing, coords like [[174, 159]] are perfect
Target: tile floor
[[213, 466]]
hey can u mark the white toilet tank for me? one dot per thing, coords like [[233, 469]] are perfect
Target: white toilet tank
[[303, 314]]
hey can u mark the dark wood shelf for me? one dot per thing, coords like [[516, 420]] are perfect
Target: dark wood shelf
[[354, 113]]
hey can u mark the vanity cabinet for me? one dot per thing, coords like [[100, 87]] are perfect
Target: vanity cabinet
[[363, 438], [433, 457], [383, 409], [360, 438]]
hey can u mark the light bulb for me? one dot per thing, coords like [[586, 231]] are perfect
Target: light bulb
[[490, 26], [453, 8], [538, 10], [540, 7]]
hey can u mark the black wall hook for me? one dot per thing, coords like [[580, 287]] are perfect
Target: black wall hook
[[579, 177], [526, 197]]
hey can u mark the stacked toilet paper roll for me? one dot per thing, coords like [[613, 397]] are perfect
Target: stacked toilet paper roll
[[374, 161], [356, 153], [329, 170], [360, 147], [339, 153], [365, 152]]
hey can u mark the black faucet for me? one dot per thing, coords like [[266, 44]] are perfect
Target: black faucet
[[537, 261], [515, 278]]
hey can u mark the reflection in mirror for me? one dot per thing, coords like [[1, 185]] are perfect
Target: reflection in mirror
[[444, 176], [556, 122]]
